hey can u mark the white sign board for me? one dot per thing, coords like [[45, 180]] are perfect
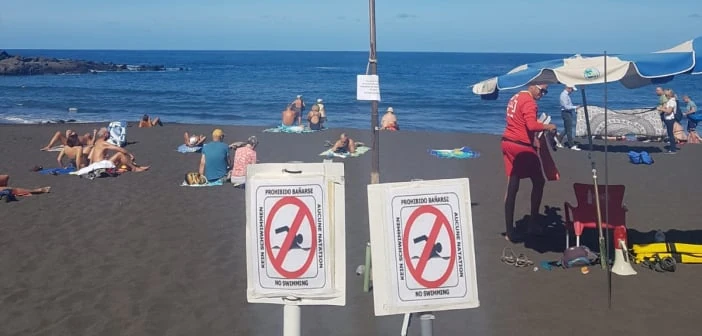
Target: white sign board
[[295, 233], [422, 248], [367, 87]]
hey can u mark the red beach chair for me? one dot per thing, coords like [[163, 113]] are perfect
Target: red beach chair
[[585, 214]]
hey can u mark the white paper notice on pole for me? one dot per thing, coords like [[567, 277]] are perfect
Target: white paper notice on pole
[[422, 247], [295, 239], [367, 87]]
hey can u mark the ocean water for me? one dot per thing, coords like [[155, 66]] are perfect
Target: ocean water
[[428, 91]]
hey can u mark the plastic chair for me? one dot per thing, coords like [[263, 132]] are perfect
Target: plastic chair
[[585, 214]]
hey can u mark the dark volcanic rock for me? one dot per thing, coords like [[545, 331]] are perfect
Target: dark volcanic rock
[[21, 66]]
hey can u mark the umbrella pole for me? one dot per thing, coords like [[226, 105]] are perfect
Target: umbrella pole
[[606, 163], [587, 124]]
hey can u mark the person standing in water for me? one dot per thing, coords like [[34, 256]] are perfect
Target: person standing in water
[[298, 105]]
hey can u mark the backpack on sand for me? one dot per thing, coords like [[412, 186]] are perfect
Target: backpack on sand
[[118, 133]]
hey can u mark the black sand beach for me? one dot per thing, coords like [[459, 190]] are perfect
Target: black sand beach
[[140, 255]]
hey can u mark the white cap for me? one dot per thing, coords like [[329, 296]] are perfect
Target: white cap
[[299, 96], [319, 100], [572, 87], [390, 110]]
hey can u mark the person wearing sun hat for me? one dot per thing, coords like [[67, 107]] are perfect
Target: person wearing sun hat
[[389, 121], [322, 112], [215, 160]]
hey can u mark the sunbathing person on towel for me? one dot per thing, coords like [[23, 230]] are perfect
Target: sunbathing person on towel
[[194, 141], [4, 180], [70, 139], [344, 145], [77, 155], [147, 122], [101, 150]]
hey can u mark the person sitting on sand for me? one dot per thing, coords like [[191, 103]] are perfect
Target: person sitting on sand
[[288, 116], [243, 157], [314, 118], [71, 138], [147, 122], [4, 185], [215, 160], [101, 149], [344, 145], [77, 155], [389, 121], [194, 141], [322, 111]]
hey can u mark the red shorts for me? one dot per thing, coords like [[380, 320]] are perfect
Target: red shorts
[[521, 161]]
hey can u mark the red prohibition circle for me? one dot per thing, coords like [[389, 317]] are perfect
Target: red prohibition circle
[[303, 213], [439, 222]]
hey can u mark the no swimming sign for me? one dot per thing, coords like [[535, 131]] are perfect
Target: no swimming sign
[[293, 235], [427, 227]]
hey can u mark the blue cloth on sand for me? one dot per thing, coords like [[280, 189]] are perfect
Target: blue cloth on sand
[[187, 149], [57, 171], [290, 129], [457, 153], [208, 184], [216, 159]]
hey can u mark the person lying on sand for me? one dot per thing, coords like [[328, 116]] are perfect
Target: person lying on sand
[[288, 116], [194, 140], [71, 138], [5, 179], [147, 122], [344, 145], [101, 149], [314, 118]]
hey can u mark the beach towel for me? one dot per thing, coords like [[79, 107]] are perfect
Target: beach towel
[[55, 148], [118, 133], [57, 171], [187, 149], [642, 121], [208, 184], [360, 150], [104, 164], [290, 129], [456, 153]]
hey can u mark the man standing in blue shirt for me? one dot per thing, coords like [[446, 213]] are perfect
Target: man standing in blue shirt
[[215, 161], [567, 112]]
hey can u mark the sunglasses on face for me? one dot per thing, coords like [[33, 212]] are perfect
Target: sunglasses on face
[[542, 90]]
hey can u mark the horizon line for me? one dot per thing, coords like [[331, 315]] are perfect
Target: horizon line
[[293, 50]]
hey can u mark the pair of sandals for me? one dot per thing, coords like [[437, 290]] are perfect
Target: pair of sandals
[[510, 258]]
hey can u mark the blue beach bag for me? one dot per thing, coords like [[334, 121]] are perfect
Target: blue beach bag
[[642, 157]]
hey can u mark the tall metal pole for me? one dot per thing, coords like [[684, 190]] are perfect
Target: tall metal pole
[[373, 70]]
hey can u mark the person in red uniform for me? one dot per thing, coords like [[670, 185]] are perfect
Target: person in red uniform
[[520, 154]]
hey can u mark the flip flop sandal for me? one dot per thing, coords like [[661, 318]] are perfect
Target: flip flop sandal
[[523, 261], [508, 256]]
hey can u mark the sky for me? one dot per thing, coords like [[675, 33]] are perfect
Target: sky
[[540, 26]]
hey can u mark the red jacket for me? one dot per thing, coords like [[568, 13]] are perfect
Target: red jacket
[[521, 118]]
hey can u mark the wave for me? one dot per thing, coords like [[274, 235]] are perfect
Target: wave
[[327, 68]]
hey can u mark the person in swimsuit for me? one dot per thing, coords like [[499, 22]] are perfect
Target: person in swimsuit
[[314, 118], [520, 156], [344, 145], [298, 106]]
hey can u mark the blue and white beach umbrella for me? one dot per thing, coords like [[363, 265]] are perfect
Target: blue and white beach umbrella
[[632, 70]]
